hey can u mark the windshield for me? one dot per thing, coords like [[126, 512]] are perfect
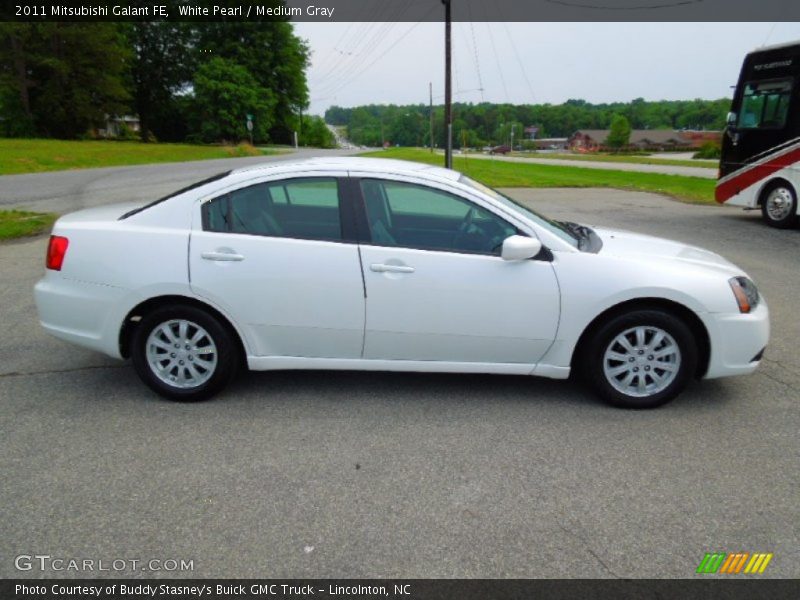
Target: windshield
[[765, 104], [553, 227]]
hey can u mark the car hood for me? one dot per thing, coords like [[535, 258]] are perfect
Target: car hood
[[629, 245]]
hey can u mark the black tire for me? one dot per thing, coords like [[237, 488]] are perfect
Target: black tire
[[210, 380], [651, 320], [774, 208]]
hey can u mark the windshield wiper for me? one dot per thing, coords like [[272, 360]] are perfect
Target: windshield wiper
[[580, 232]]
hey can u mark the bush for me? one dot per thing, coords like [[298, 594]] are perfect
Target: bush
[[314, 132], [126, 133], [709, 150], [243, 149]]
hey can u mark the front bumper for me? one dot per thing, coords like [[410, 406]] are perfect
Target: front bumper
[[737, 341]]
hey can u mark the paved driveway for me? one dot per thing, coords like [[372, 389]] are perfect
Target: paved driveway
[[339, 474]]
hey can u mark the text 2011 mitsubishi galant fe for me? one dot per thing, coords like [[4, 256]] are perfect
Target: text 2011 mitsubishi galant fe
[[371, 264]]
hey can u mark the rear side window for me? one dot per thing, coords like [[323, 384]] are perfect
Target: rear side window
[[296, 208]]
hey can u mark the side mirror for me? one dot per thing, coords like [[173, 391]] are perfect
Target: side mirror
[[730, 129], [518, 247]]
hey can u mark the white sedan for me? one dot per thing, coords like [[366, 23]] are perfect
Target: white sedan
[[372, 264]]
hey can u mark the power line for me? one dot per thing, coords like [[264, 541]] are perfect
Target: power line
[[371, 44], [477, 60], [499, 65], [364, 55], [519, 62], [369, 36], [467, 52], [475, 48], [356, 75], [769, 35], [328, 57], [372, 34]]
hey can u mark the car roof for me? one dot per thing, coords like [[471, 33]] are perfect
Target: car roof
[[352, 163]]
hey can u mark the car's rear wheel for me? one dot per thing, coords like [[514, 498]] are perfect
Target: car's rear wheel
[[641, 359], [183, 353], [779, 206]]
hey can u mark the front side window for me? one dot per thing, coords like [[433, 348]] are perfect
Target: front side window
[[295, 208], [415, 216], [553, 227], [765, 104]]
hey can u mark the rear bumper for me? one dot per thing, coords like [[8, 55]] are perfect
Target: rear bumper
[[81, 313], [737, 341]]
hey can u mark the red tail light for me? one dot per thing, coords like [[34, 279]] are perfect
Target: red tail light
[[56, 252]]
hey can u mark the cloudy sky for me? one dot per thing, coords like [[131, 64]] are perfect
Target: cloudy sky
[[362, 63]]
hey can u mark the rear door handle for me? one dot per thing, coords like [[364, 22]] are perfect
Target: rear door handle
[[381, 268], [222, 256]]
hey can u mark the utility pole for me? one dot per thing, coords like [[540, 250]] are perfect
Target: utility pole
[[430, 92], [512, 137], [448, 92]]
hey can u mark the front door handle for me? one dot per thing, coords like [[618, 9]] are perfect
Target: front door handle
[[222, 256], [381, 268]]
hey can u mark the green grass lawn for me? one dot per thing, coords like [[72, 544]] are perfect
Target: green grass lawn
[[621, 158], [36, 155], [20, 223], [515, 174]]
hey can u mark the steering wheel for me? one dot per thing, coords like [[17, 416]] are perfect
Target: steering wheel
[[467, 222], [470, 236]]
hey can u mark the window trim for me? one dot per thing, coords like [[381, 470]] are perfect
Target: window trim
[[365, 233], [347, 226], [183, 190]]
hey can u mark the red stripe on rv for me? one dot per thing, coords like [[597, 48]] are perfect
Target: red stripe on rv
[[728, 189]]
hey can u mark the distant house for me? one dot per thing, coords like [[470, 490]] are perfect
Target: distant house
[[698, 138], [115, 125], [593, 140], [531, 132], [551, 143]]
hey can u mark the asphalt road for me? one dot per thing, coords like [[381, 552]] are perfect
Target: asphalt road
[[339, 474], [67, 191], [704, 172]]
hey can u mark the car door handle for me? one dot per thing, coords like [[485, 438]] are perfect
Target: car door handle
[[381, 268], [222, 256]]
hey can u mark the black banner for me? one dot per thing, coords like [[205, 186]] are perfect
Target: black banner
[[406, 10], [399, 589]]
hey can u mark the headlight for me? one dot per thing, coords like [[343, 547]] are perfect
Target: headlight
[[745, 292]]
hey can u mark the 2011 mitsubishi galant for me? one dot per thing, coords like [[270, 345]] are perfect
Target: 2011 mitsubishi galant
[[372, 264]]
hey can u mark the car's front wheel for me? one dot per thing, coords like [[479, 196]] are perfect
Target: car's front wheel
[[183, 353], [641, 359]]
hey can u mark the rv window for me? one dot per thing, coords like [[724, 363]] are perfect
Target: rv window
[[765, 104]]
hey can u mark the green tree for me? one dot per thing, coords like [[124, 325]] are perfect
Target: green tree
[[314, 132], [225, 93], [275, 58], [619, 135], [491, 122], [164, 60], [61, 79]]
